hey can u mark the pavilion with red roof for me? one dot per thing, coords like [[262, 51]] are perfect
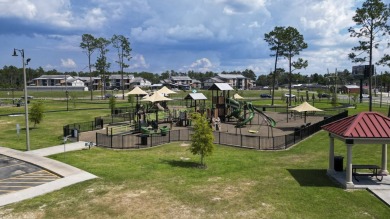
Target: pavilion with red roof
[[362, 128]]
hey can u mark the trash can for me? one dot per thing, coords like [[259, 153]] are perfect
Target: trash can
[[144, 139], [74, 133], [338, 163]]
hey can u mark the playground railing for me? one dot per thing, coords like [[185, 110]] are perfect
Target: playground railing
[[222, 138]]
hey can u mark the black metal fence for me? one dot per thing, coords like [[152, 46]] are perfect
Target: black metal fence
[[98, 123], [126, 141]]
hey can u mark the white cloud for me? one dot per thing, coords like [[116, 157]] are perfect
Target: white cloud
[[241, 6], [138, 62], [68, 63], [190, 32], [202, 65]]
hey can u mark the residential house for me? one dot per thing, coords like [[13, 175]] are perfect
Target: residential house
[[50, 80], [196, 84], [115, 81], [237, 81], [209, 82], [181, 82], [96, 81], [138, 81]]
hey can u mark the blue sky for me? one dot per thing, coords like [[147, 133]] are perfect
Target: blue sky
[[182, 35]]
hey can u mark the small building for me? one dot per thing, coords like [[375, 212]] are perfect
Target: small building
[[237, 81], [140, 82], [350, 89], [181, 80]]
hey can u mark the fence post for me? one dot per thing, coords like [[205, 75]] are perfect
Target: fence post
[[259, 142], [122, 141], [285, 141], [111, 141], [219, 137], [151, 140], [97, 140]]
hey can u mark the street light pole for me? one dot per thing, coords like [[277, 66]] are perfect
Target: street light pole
[[21, 51]]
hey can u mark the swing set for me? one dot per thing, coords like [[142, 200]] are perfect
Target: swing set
[[265, 119]]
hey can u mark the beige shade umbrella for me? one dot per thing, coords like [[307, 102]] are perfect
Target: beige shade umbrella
[[165, 90], [304, 107], [237, 96], [136, 91], [156, 97]]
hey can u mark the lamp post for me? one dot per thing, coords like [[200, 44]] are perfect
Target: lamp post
[[21, 51]]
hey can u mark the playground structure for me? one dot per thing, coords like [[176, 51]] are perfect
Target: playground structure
[[235, 122], [153, 111], [225, 108]]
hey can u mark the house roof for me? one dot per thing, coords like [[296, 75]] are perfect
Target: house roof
[[59, 77], [195, 96], [181, 78], [221, 86], [362, 125], [351, 86], [214, 80], [231, 76]]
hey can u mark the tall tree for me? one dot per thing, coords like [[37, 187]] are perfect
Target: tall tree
[[249, 74], [102, 65], [371, 25], [286, 42], [273, 39], [122, 44], [291, 44], [88, 44]]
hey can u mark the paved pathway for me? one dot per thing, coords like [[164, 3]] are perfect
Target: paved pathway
[[30, 174]]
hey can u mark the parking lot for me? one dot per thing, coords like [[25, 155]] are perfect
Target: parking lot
[[17, 175]]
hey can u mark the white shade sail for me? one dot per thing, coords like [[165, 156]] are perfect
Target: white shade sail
[[156, 97], [305, 107], [136, 91]]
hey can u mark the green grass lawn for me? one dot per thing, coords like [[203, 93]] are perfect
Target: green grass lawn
[[165, 182]]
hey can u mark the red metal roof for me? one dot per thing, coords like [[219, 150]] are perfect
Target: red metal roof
[[362, 125]]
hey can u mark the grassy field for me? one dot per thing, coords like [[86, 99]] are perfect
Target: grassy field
[[165, 182]]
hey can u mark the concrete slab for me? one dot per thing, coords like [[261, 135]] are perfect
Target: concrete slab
[[69, 175], [380, 189], [43, 152]]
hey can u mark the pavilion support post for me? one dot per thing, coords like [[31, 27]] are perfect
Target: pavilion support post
[[348, 177], [331, 156], [384, 160]]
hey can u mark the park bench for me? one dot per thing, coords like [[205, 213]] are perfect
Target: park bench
[[372, 171]]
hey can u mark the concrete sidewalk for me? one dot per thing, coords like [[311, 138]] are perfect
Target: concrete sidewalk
[[44, 152], [69, 174]]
